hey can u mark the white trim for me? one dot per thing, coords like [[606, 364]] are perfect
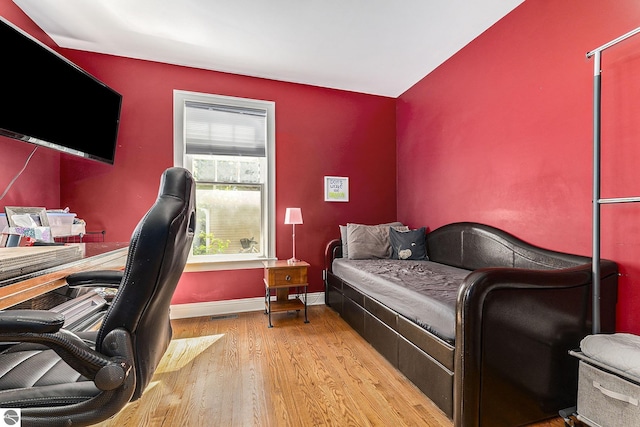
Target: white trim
[[197, 265], [217, 308], [212, 263]]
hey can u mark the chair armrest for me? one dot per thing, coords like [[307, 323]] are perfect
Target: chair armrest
[[105, 278], [108, 371], [30, 321]]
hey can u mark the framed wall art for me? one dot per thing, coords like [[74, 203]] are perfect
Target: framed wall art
[[18, 216], [336, 189]]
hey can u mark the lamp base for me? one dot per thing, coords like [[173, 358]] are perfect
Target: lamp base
[[292, 260]]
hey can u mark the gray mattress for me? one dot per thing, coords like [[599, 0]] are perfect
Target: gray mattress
[[422, 291]]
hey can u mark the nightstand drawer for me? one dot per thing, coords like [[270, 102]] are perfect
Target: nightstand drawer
[[286, 276]]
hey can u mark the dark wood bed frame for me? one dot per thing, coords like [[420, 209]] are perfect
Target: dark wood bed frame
[[519, 312]]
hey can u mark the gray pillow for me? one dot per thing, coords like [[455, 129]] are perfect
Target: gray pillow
[[410, 244], [343, 238], [369, 241]]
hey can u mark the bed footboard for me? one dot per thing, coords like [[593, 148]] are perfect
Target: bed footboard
[[514, 329]]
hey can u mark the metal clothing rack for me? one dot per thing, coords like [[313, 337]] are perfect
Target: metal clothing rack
[[597, 200]]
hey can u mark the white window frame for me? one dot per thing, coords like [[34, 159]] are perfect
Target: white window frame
[[232, 261]]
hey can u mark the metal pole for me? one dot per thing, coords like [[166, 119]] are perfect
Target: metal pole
[[620, 200], [597, 87], [595, 261], [611, 43]]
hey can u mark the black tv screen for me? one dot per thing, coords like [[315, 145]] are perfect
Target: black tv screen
[[45, 99]]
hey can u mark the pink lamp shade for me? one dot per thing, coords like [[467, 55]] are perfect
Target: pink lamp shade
[[293, 216]]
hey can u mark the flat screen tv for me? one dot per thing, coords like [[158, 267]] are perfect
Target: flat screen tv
[[45, 99]]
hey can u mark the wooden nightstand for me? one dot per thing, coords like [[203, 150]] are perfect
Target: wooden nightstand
[[281, 276]]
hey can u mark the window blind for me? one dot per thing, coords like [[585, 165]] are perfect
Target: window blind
[[224, 130]]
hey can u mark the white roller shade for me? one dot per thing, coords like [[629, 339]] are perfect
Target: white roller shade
[[224, 130]]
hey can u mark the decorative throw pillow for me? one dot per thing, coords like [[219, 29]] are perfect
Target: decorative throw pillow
[[369, 241], [409, 244]]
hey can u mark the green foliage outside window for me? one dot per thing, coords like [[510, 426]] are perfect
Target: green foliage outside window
[[207, 244]]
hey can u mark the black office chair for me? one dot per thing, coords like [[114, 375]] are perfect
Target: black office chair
[[105, 369]]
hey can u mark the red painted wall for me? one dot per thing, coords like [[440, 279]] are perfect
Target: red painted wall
[[318, 132], [39, 184], [502, 134]]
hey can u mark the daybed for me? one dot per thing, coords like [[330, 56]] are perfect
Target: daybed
[[489, 339]]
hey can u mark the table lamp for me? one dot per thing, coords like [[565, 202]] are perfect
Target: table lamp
[[293, 216]]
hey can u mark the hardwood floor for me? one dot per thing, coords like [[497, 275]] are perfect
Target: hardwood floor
[[234, 371]]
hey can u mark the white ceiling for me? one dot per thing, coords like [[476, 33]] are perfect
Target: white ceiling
[[380, 47]]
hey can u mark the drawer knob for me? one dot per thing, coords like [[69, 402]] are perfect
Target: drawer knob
[[287, 278]]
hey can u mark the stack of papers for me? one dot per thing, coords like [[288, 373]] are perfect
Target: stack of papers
[[18, 261]]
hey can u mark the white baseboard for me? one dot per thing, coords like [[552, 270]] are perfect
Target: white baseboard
[[217, 308]]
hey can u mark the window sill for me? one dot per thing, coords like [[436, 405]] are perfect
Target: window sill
[[240, 264]]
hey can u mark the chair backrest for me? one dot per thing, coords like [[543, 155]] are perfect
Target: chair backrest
[[158, 252]]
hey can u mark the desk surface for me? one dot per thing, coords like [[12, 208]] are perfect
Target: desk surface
[[96, 256]]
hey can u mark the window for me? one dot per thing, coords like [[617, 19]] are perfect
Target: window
[[228, 144]]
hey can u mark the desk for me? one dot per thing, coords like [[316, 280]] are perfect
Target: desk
[[96, 256]]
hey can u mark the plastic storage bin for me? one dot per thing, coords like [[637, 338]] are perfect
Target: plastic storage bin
[[61, 223]]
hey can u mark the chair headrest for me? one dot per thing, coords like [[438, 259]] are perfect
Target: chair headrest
[[173, 182]]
